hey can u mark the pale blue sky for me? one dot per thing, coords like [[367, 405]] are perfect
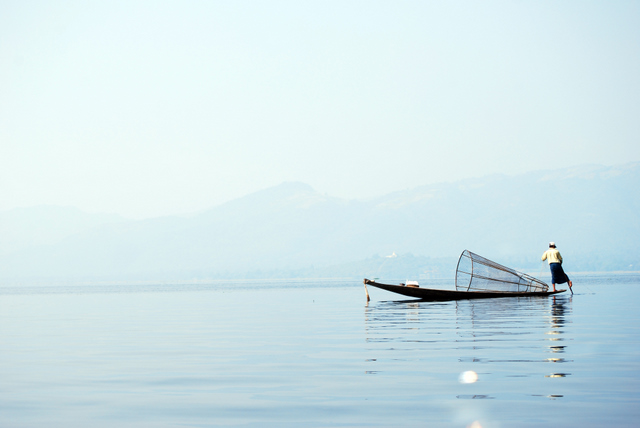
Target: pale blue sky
[[148, 108]]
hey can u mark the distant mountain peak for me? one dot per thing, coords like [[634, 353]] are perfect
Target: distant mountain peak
[[296, 194], [590, 171], [282, 196], [284, 190], [294, 186]]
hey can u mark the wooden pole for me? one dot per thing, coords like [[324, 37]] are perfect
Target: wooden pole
[[366, 292]]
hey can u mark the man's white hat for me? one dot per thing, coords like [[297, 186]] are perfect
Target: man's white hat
[[552, 244]]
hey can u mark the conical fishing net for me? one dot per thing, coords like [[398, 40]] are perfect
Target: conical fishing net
[[475, 273]]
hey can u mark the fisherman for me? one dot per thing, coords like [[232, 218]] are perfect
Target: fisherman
[[555, 264]]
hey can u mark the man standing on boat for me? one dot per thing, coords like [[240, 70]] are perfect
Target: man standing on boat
[[555, 264]]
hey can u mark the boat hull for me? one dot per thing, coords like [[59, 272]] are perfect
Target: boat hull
[[430, 294]]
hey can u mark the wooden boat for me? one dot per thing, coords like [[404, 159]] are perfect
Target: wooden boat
[[430, 294], [476, 278]]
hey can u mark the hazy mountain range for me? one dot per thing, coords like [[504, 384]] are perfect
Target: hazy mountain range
[[591, 212]]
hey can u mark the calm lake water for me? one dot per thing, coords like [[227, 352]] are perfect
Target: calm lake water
[[314, 354]]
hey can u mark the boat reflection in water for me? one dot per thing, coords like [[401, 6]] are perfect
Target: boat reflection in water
[[556, 321], [504, 344]]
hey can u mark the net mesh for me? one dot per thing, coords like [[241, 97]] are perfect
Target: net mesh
[[475, 273]]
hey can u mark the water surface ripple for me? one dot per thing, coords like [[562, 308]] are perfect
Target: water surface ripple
[[314, 353]]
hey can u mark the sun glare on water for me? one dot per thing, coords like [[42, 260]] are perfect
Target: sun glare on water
[[468, 377]]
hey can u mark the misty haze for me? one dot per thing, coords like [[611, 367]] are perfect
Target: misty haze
[[319, 214], [293, 231]]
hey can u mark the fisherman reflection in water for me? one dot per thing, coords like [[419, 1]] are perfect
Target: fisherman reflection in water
[[555, 264]]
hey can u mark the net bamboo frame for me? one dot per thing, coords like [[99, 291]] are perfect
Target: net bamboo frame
[[475, 273]]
